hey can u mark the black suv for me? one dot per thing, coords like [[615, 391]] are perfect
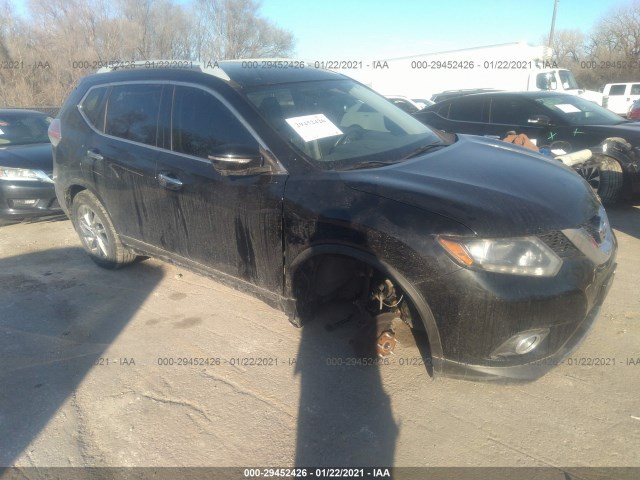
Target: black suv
[[449, 94], [561, 122], [308, 189]]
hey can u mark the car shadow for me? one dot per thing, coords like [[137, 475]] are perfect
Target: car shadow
[[625, 217], [49, 218], [49, 341], [345, 418]]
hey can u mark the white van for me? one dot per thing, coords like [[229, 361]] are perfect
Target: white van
[[621, 96]]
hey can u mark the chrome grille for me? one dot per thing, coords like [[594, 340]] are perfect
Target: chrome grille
[[559, 243], [592, 231], [593, 238]]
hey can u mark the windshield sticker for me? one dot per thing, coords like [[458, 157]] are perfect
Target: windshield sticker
[[313, 127], [568, 108], [1, 132]]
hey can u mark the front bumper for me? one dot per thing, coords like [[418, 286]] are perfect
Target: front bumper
[[493, 308], [20, 200]]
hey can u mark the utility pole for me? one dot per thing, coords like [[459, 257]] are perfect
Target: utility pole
[[553, 23]]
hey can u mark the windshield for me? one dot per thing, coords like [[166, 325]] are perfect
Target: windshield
[[23, 129], [338, 123], [567, 81], [578, 111]]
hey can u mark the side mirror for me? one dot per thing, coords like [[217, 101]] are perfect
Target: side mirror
[[235, 155], [541, 120], [236, 159]]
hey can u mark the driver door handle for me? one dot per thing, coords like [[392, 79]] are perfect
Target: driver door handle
[[93, 154], [169, 181]]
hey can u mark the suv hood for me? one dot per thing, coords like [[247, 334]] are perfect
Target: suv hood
[[37, 156], [493, 188]]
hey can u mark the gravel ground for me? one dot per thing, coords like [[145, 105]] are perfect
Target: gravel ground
[[91, 374]]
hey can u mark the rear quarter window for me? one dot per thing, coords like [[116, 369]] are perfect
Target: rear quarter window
[[442, 110], [93, 107], [466, 109]]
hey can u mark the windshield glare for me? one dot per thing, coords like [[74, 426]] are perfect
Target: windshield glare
[[23, 129], [339, 123], [578, 111]]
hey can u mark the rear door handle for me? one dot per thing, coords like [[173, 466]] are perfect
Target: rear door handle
[[94, 155], [169, 181]]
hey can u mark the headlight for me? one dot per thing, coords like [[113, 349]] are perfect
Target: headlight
[[516, 256], [7, 173]]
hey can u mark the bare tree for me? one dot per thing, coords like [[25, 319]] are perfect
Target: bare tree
[[568, 47], [614, 45], [610, 53], [64, 40], [619, 32], [232, 29]]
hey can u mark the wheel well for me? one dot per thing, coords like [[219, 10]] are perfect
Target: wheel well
[[324, 280], [72, 192], [335, 277]]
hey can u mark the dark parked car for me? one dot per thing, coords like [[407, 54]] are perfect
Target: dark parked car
[[561, 122], [307, 189], [26, 164], [449, 94]]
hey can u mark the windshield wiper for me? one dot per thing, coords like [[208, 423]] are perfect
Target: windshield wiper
[[424, 149], [373, 163], [380, 163]]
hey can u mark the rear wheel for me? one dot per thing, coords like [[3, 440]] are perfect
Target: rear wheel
[[97, 233], [606, 180]]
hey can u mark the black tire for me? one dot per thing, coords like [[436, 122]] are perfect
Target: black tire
[[607, 180], [97, 233]]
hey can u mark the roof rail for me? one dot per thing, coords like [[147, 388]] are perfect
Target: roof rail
[[210, 68]]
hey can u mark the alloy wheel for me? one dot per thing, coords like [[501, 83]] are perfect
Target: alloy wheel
[[93, 232], [592, 176]]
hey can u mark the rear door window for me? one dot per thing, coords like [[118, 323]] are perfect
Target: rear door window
[[467, 109], [202, 123], [513, 111], [132, 112]]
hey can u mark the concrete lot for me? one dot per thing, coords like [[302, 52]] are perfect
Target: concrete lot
[[84, 380]]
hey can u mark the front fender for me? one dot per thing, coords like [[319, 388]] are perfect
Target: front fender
[[417, 300]]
